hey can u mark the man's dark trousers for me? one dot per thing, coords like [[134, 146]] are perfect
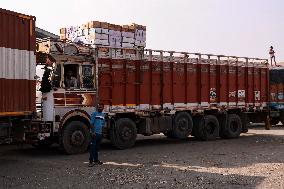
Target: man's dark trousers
[[95, 147]]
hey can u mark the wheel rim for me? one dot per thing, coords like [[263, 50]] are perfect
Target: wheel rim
[[234, 126], [183, 124], [210, 128], [77, 138], [126, 133]]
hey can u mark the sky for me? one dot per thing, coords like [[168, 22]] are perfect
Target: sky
[[229, 27]]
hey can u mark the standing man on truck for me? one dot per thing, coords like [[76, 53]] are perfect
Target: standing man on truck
[[97, 124], [272, 55]]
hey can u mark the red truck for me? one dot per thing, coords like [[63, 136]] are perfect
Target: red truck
[[144, 91], [150, 92]]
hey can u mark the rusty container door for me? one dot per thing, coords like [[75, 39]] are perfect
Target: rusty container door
[[257, 86], [213, 83], [232, 79], [250, 86], [145, 87], [224, 84], [192, 82], [130, 89], [117, 83], [204, 84], [241, 93], [105, 81], [156, 84], [179, 85], [17, 63], [168, 85]]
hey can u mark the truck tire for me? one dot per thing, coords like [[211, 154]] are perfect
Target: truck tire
[[206, 127], [75, 138], [182, 125], [233, 128], [123, 133]]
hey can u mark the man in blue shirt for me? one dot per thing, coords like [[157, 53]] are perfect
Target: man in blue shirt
[[97, 124]]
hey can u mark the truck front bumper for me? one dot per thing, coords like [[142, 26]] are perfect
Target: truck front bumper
[[37, 131]]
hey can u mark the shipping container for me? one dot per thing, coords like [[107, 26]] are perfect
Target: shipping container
[[17, 64]]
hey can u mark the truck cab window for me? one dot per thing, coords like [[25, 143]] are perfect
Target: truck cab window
[[71, 76], [88, 77], [57, 76]]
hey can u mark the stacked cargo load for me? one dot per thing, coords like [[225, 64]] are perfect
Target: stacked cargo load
[[97, 33]]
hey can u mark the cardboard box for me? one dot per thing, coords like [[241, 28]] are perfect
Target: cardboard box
[[127, 45], [117, 28], [130, 51], [115, 33], [99, 36], [105, 31], [62, 36], [86, 31], [99, 42], [105, 25], [93, 31], [125, 28], [140, 44], [94, 24], [111, 27], [62, 30], [85, 26], [128, 40], [131, 27], [114, 39], [127, 34], [137, 26], [79, 32]]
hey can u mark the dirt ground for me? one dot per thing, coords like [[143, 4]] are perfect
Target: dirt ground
[[255, 160]]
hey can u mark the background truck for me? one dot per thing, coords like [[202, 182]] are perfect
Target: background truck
[[17, 72], [149, 92], [277, 95]]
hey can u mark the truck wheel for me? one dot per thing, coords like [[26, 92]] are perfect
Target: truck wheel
[[123, 133], [75, 138], [182, 125], [233, 127], [206, 127]]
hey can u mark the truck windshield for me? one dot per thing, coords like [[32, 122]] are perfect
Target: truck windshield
[[57, 76], [71, 76], [88, 77]]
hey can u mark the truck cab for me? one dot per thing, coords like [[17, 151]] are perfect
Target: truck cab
[[68, 96]]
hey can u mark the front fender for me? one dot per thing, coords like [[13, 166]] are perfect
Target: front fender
[[77, 115]]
